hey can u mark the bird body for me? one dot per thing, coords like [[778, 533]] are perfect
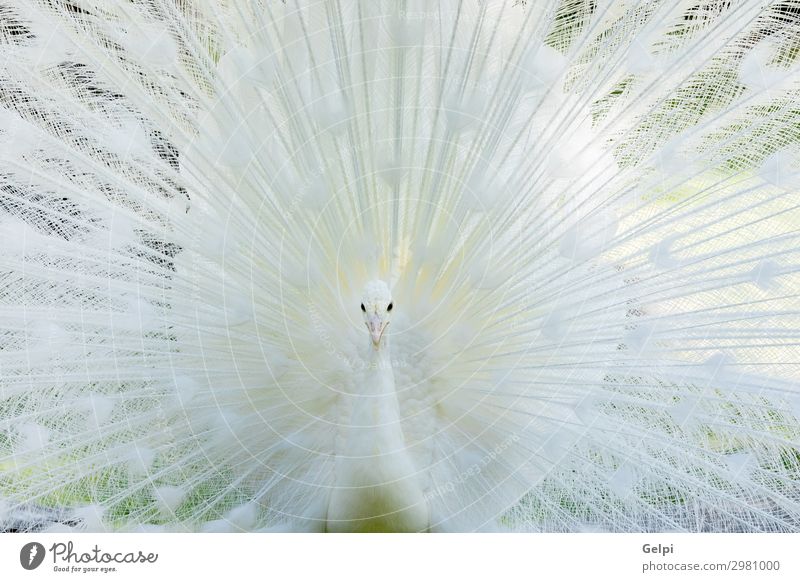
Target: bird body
[[353, 265]]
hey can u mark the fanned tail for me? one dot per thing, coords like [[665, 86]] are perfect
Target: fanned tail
[[585, 210]]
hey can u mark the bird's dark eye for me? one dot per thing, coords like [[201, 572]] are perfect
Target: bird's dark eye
[[389, 308], [364, 309]]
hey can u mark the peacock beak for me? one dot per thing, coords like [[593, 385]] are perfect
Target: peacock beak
[[376, 327]]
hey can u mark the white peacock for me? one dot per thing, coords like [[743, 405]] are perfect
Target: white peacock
[[357, 265]]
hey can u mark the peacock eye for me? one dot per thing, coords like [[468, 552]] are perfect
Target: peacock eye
[[389, 308], [364, 309]]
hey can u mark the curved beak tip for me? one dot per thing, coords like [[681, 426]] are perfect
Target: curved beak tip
[[376, 329]]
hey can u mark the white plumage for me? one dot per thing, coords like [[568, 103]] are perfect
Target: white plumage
[[569, 227]]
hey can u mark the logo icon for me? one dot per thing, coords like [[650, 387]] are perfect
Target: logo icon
[[31, 555]]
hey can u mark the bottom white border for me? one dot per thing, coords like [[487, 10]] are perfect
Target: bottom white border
[[501, 557]]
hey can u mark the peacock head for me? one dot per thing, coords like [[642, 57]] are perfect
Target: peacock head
[[376, 308]]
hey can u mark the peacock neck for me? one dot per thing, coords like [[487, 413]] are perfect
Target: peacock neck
[[376, 487], [375, 414]]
